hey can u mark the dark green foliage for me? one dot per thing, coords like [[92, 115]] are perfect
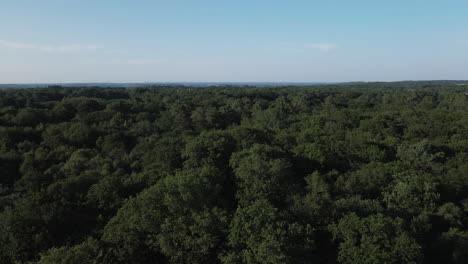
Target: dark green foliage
[[348, 173], [412, 194], [262, 172], [84, 253], [260, 233], [375, 239]]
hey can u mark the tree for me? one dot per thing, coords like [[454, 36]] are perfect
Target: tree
[[29, 117], [262, 172], [420, 155], [317, 203], [208, 149], [374, 239], [181, 217], [411, 193], [369, 180], [84, 253], [260, 233]]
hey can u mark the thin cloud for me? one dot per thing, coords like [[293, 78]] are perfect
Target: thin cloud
[[115, 51], [68, 48], [49, 48], [119, 61], [322, 46], [16, 45], [289, 47], [142, 61]]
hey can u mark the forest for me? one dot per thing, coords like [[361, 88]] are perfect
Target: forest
[[357, 173]]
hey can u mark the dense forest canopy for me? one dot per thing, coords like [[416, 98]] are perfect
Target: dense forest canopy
[[347, 173]]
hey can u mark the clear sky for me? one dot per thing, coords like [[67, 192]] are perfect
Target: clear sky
[[236, 40]]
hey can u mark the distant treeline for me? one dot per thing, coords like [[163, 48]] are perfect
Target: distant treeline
[[350, 173], [399, 84]]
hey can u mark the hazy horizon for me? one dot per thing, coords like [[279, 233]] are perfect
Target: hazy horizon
[[243, 41], [220, 82]]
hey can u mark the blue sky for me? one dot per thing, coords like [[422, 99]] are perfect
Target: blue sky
[[152, 41]]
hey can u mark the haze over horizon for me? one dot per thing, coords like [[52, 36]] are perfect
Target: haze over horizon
[[125, 41]]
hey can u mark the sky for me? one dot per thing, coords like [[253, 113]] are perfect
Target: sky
[[57, 41]]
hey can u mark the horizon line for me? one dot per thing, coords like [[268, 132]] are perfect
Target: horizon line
[[227, 82]]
